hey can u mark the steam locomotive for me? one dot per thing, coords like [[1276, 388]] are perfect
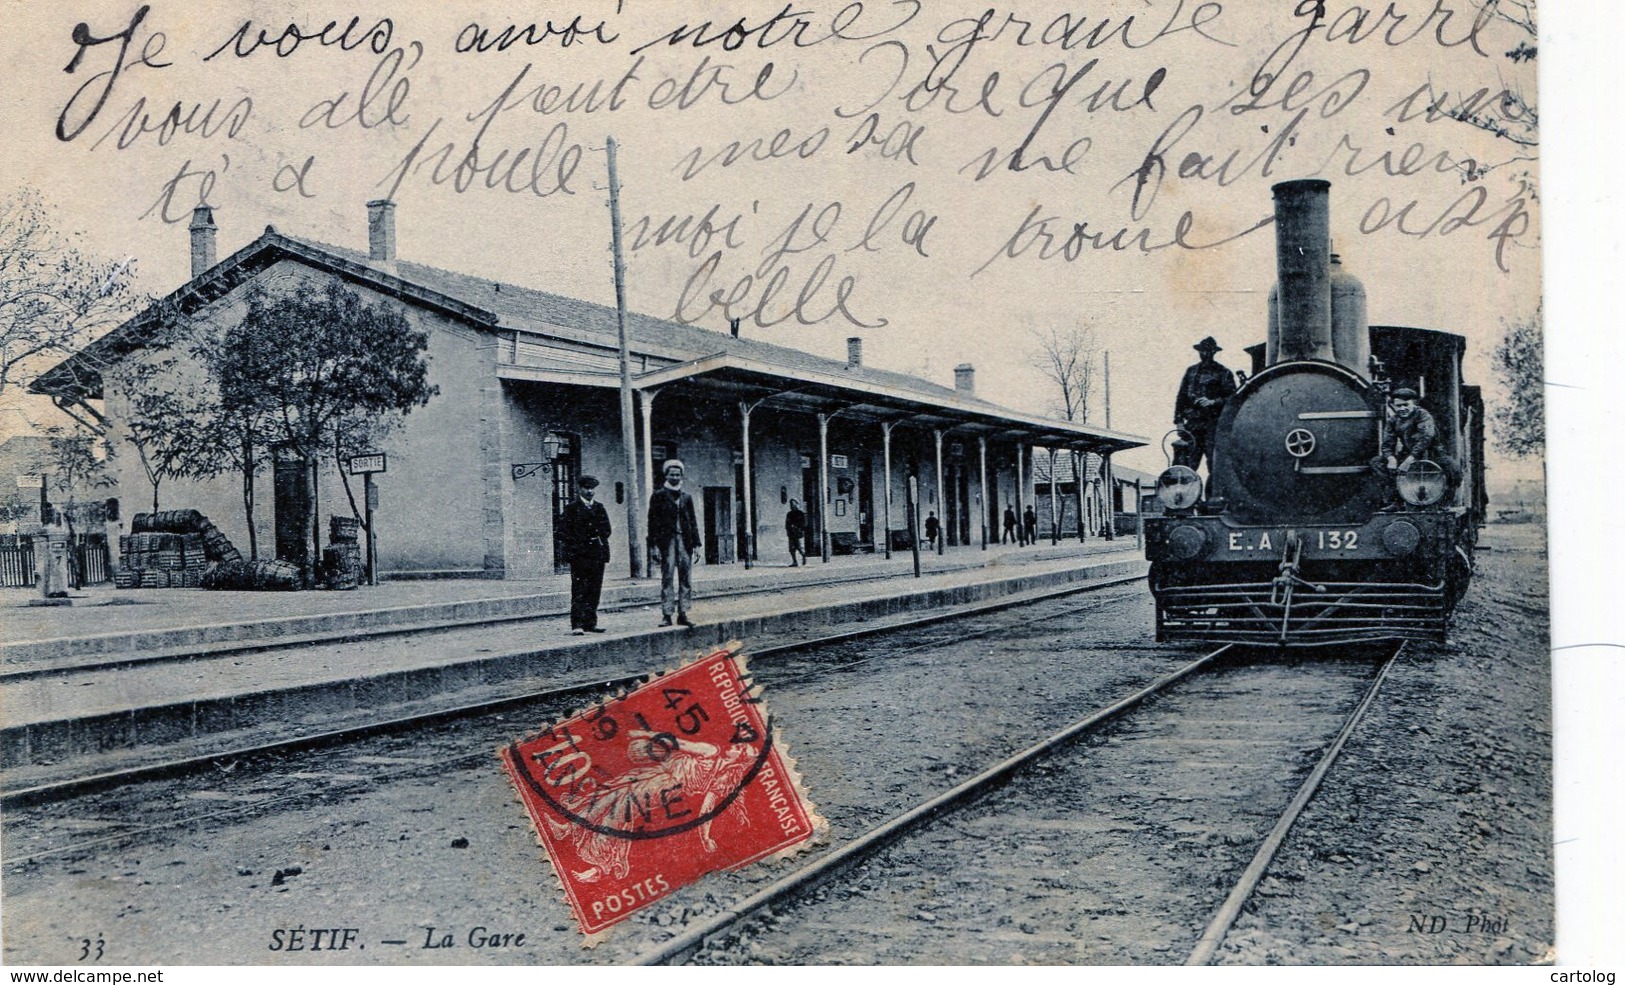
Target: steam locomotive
[[1302, 536]]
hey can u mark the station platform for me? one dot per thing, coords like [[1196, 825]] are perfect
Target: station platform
[[128, 677]]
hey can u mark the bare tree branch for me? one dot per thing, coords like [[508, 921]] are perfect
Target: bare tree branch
[[1067, 358], [53, 298]]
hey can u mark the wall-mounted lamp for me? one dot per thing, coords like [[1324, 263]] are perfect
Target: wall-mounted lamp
[[550, 451]]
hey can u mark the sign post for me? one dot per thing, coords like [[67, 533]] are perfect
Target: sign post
[[914, 520], [366, 466], [37, 482]]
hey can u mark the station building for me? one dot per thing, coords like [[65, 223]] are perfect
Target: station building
[[529, 400]]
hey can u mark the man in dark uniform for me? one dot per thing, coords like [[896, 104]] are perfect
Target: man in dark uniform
[[674, 536], [795, 531], [1010, 525], [1411, 436], [584, 544], [933, 529], [1029, 524], [1202, 395]]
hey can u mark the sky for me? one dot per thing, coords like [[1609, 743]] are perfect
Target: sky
[[864, 151]]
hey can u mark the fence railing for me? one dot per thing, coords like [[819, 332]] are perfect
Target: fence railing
[[16, 562], [88, 562]]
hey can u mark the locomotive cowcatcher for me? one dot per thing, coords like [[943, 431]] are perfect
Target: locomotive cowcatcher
[[1302, 535]]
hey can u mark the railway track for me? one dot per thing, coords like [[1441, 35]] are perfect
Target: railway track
[[779, 906], [180, 765], [794, 661]]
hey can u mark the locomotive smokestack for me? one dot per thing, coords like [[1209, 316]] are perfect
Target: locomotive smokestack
[[1303, 265]]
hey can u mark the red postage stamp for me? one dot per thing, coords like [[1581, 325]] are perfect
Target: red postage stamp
[[641, 795]]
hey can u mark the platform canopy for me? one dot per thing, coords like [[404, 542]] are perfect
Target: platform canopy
[[735, 377]]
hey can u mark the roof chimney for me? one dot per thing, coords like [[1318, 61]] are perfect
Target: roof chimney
[[854, 352], [203, 230], [965, 378], [381, 229]]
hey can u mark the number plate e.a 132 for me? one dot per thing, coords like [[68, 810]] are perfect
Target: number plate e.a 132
[[1316, 541]]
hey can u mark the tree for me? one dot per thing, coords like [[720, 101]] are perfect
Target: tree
[[1521, 419], [232, 435], [320, 368], [167, 413], [1067, 358], [53, 298], [78, 470]]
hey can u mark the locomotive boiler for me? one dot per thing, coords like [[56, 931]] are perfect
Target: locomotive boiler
[[1302, 535]]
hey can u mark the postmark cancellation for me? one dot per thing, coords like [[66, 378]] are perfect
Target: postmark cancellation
[[640, 795]]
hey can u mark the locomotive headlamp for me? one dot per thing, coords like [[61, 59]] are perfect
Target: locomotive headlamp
[[1179, 487], [1421, 483]]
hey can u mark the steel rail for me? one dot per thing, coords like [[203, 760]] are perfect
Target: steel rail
[[79, 786], [1208, 945], [879, 837]]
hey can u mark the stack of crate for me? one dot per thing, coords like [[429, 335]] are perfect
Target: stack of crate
[[161, 560]]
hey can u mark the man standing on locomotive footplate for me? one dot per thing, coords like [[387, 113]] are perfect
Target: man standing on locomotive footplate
[[1202, 395]]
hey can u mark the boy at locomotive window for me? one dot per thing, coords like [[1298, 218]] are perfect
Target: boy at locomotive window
[[1412, 435], [674, 536], [584, 534], [1202, 395]]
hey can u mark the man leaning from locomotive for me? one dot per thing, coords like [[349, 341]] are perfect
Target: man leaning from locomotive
[[1411, 436], [674, 536], [1202, 396]]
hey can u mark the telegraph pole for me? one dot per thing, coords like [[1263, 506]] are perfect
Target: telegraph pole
[[1108, 361], [628, 432]]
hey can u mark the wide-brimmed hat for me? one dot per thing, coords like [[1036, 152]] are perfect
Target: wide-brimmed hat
[[1208, 345]]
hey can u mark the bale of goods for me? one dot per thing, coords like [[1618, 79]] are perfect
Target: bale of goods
[[246, 576], [343, 529], [342, 568], [169, 521], [218, 547]]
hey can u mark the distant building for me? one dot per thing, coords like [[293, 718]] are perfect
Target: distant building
[[1108, 490], [21, 455], [529, 399]]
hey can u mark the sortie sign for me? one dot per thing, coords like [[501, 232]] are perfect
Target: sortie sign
[[362, 464]]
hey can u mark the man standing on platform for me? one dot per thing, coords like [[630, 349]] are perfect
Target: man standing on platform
[[584, 542], [674, 536], [795, 531], [1203, 392], [1029, 525], [1010, 526]]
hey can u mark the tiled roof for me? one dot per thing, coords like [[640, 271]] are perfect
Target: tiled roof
[[494, 305], [1065, 470], [531, 310]]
